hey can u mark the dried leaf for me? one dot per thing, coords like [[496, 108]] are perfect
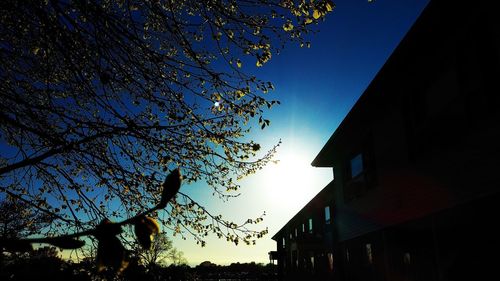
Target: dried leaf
[[170, 187], [145, 228], [107, 229], [111, 254]]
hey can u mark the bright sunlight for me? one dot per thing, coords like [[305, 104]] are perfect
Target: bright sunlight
[[293, 181]]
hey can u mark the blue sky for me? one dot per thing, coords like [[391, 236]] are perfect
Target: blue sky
[[317, 86]]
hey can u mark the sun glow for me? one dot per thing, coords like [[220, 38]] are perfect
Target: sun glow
[[292, 182]]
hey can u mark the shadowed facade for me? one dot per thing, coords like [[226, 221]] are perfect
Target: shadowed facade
[[415, 163]]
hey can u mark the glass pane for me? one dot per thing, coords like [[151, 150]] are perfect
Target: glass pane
[[330, 261], [356, 165], [369, 253], [327, 214]]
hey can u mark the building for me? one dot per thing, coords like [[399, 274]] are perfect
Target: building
[[305, 243], [416, 163]]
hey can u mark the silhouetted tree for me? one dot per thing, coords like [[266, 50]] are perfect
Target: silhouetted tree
[[161, 252], [111, 256], [176, 257], [98, 99], [18, 220], [40, 264]]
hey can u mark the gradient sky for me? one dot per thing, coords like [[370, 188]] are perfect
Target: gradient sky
[[316, 87]]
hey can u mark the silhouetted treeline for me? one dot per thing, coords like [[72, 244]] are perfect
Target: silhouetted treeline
[[236, 271], [45, 264]]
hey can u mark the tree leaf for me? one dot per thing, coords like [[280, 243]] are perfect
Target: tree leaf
[[288, 26], [330, 5], [316, 14]]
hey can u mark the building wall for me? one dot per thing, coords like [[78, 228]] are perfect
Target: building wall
[[430, 133], [426, 207], [422, 203], [308, 253]]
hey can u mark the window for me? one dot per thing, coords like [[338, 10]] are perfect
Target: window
[[330, 261], [327, 214], [359, 170], [296, 233], [310, 225], [291, 236], [295, 260], [355, 184], [407, 258], [303, 227], [283, 243], [356, 165], [369, 253]]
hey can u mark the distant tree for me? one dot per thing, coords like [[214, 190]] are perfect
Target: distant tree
[[161, 252], [111, 256], [206, 264], [18, 220], [43, 263], [99, 99], [47, 253], [176, 257], [157, 253], [181, 272]]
